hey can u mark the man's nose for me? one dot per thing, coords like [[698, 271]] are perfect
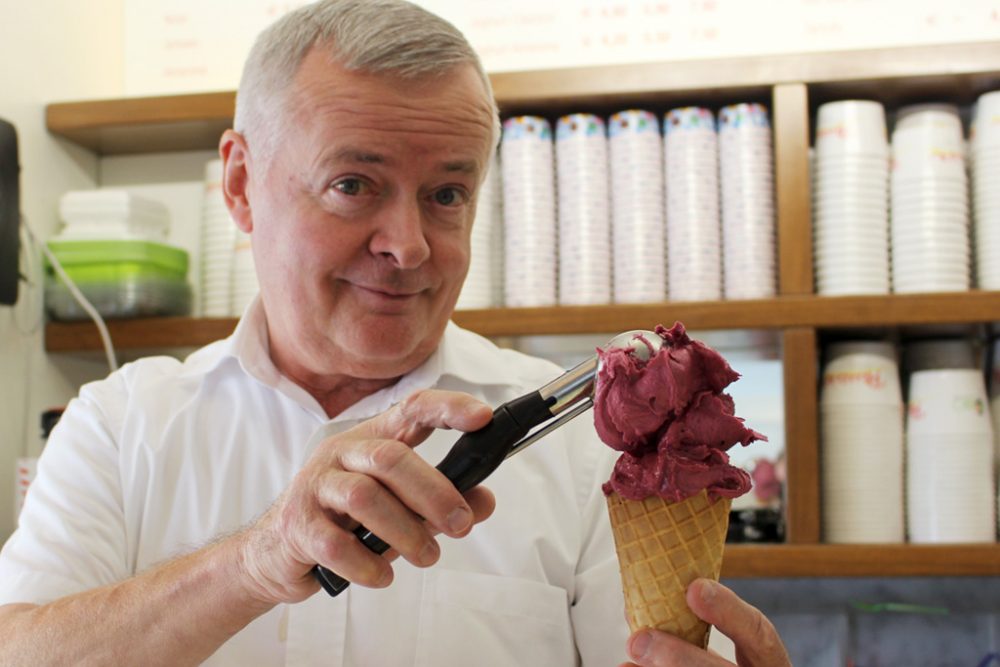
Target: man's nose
[[400, 236]]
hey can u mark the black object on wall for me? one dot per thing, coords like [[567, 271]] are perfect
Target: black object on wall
[[10, 214]]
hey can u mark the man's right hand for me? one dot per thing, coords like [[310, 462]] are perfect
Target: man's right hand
[[368, 475], [757, 642]]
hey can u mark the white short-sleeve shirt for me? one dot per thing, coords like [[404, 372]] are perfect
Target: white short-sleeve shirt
[[164, 456]]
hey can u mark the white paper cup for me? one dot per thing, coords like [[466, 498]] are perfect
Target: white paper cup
[[950, 489], [851, 126], [948, 402], [861, 373]]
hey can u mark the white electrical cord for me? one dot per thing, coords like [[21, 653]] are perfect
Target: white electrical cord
[[32, 303], [109, 350]]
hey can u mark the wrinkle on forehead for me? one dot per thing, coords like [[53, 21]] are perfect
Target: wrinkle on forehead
[[323, 87], [354, 113], [335, 110]]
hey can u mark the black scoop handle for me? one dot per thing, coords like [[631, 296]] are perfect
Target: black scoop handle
[[471, 460]]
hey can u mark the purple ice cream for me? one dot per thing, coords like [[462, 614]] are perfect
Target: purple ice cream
[[671, 420]]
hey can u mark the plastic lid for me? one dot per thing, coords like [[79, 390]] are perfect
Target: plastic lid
[[75, 252]]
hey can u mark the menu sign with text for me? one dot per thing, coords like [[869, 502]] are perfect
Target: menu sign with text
[[197, 45]]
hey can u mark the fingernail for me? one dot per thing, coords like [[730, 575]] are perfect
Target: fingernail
[[429, 554], [459, 520], [708, 590], [639, 645]]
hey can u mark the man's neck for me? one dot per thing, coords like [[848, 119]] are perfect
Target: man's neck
[[337, 396]]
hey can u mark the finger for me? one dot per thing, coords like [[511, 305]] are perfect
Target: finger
[[368, 502], [338, 550], [652, 648], [341, 552], [418, 486], [412, 419], [482, 501], [757, 642]]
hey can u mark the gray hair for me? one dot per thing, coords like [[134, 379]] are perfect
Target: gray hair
[[378, 36]]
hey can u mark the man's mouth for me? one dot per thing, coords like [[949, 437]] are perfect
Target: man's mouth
[[389, 293]]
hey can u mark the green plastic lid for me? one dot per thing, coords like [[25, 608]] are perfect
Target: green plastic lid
[[72, 253]]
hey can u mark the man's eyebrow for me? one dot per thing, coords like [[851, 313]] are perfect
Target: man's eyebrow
[[361, 156], [462, 166], [357, 155]]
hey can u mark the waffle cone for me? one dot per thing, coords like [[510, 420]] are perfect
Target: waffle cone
[[662, 547]]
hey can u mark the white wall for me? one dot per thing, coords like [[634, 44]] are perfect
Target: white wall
[[50, 50]]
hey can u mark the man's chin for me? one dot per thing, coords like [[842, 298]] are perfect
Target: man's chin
[[390, 350]]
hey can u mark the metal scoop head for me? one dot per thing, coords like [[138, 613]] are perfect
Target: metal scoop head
[[572, 393]]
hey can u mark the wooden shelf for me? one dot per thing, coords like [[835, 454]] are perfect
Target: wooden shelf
[[144, 124], [779, 313], [190, 122], [793, 86], [742, 561]]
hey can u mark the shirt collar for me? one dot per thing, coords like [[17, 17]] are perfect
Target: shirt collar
[[461, 354]]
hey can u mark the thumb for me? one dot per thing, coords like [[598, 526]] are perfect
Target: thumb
[[757, 642], [415, 417]]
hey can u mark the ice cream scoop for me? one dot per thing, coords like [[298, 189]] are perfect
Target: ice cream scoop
[[671, 421], [476, 455]]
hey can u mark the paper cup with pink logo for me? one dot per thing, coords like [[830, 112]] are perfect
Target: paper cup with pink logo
[[851, 126], [850, 198], [950, 485], [930, 207], [985, 165], [861, 444], [948, 401], [861, 372]]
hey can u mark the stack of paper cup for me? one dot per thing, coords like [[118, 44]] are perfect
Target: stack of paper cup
[[985, 159], [861, 429], [930, 206], [529, 213], [635, 149], [584, 215], [244, 276], [850, 206], [949, 458], [746, 173], [218, 238], [694, 262], [483, 287]]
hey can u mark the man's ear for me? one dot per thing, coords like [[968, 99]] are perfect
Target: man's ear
[[236, 178]]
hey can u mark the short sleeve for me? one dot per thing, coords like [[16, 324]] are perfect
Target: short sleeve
[[71, 532]]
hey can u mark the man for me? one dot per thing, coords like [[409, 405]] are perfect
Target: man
[[180, 507]]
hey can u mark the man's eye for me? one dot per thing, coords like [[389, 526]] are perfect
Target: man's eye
[[448, 197], [350, 186]]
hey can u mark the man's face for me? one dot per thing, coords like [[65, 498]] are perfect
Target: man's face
[[361, 220]]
